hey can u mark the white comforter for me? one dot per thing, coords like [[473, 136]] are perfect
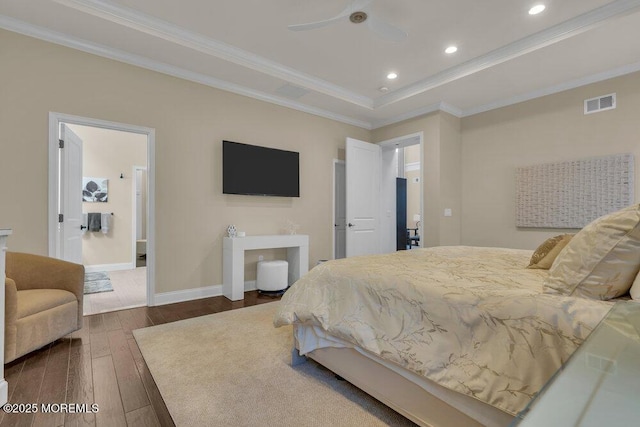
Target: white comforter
[[472, 319]]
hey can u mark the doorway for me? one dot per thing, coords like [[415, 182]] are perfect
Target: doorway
[[399, 157], [402, 213], [116, 204]]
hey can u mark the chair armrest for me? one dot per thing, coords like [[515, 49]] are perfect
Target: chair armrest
[[31, 271]]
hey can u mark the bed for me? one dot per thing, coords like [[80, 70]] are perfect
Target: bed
[[460, 335]]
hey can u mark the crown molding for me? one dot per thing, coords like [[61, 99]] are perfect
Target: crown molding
[[26, 29], [595, 78], [543, 38], [158, 28], [439, 106]]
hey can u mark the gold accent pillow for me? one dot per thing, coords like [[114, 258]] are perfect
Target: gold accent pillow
[[602, 260], [547, 252]]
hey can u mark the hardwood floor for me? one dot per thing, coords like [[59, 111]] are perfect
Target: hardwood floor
[[102, 364]]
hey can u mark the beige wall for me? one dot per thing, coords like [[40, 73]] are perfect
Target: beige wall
[[441, 163], [190, 120], [548, 129], [450, 179], [107, 154]]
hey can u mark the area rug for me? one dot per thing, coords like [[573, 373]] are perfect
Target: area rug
[[97, 282], [233, 369]]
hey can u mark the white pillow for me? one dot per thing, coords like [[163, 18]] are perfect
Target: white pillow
[[601, 260]]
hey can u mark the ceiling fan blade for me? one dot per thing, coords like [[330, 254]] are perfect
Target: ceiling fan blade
[[317, 24], [351, 7], [386, 30]]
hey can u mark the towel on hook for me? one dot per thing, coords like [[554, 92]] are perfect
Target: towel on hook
[[106, 222], [95, 221], [85, 223]]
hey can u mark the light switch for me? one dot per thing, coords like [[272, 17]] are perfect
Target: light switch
[[447, 212]]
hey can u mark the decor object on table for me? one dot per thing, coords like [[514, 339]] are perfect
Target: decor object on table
[[43, 302], [290, 227], [232, 231], [95, 189]]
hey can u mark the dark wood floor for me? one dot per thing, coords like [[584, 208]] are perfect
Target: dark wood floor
[[101, 364]]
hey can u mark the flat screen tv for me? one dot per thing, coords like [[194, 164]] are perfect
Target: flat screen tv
[[259, 171]]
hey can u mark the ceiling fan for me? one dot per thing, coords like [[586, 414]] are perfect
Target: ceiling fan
[[358, 11]]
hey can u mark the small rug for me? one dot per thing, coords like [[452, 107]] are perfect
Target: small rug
[[97, 282], [233, 369]]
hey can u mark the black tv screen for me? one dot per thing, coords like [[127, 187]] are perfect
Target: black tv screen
[[259, 171]]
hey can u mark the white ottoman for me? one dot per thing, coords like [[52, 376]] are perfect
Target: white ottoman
[[273, 276]]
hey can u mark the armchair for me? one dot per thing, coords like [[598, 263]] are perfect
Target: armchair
[[43, 302]]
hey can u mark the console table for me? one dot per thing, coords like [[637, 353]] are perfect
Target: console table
[[233, 258], [4, 390]]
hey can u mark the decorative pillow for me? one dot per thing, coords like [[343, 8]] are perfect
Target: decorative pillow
[[601, 260], [547, 252]]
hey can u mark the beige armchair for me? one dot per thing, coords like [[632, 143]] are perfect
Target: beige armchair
[[43, 302]]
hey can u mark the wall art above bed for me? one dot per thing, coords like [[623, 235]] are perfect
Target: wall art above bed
[[574, 193]]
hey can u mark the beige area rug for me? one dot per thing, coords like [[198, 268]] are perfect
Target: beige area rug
[[233, 369]]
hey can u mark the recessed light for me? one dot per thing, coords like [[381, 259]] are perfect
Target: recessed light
[[536, 9], [451, 49], [392, 76], [383, 89]]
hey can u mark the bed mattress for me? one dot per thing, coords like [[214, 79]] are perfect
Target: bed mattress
[[473, 320]]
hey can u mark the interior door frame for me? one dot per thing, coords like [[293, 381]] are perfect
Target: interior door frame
[[333, 207], [405, 141], [134, 215], [54, 181]]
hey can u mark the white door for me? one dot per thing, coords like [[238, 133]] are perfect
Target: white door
[[70, 196], [363, 197], [340, 213]]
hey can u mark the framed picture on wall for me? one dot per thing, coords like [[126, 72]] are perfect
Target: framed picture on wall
[[95, 189]]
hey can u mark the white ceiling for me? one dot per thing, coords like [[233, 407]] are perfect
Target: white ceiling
[[504, 54]]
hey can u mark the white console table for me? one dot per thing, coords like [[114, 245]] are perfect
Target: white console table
[[233, 258], [4, 388]]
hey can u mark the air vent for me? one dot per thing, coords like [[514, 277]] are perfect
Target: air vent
[[292, 91], [601, 103]]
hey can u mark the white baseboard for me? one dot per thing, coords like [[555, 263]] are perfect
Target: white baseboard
[[250, 286], [196, 293], [187, 295], [109, 267]]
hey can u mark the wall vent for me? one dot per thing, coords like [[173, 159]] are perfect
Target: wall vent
[[601, 103]]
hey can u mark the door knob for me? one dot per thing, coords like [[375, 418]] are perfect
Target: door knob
[[351, 225], [82, 227]]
